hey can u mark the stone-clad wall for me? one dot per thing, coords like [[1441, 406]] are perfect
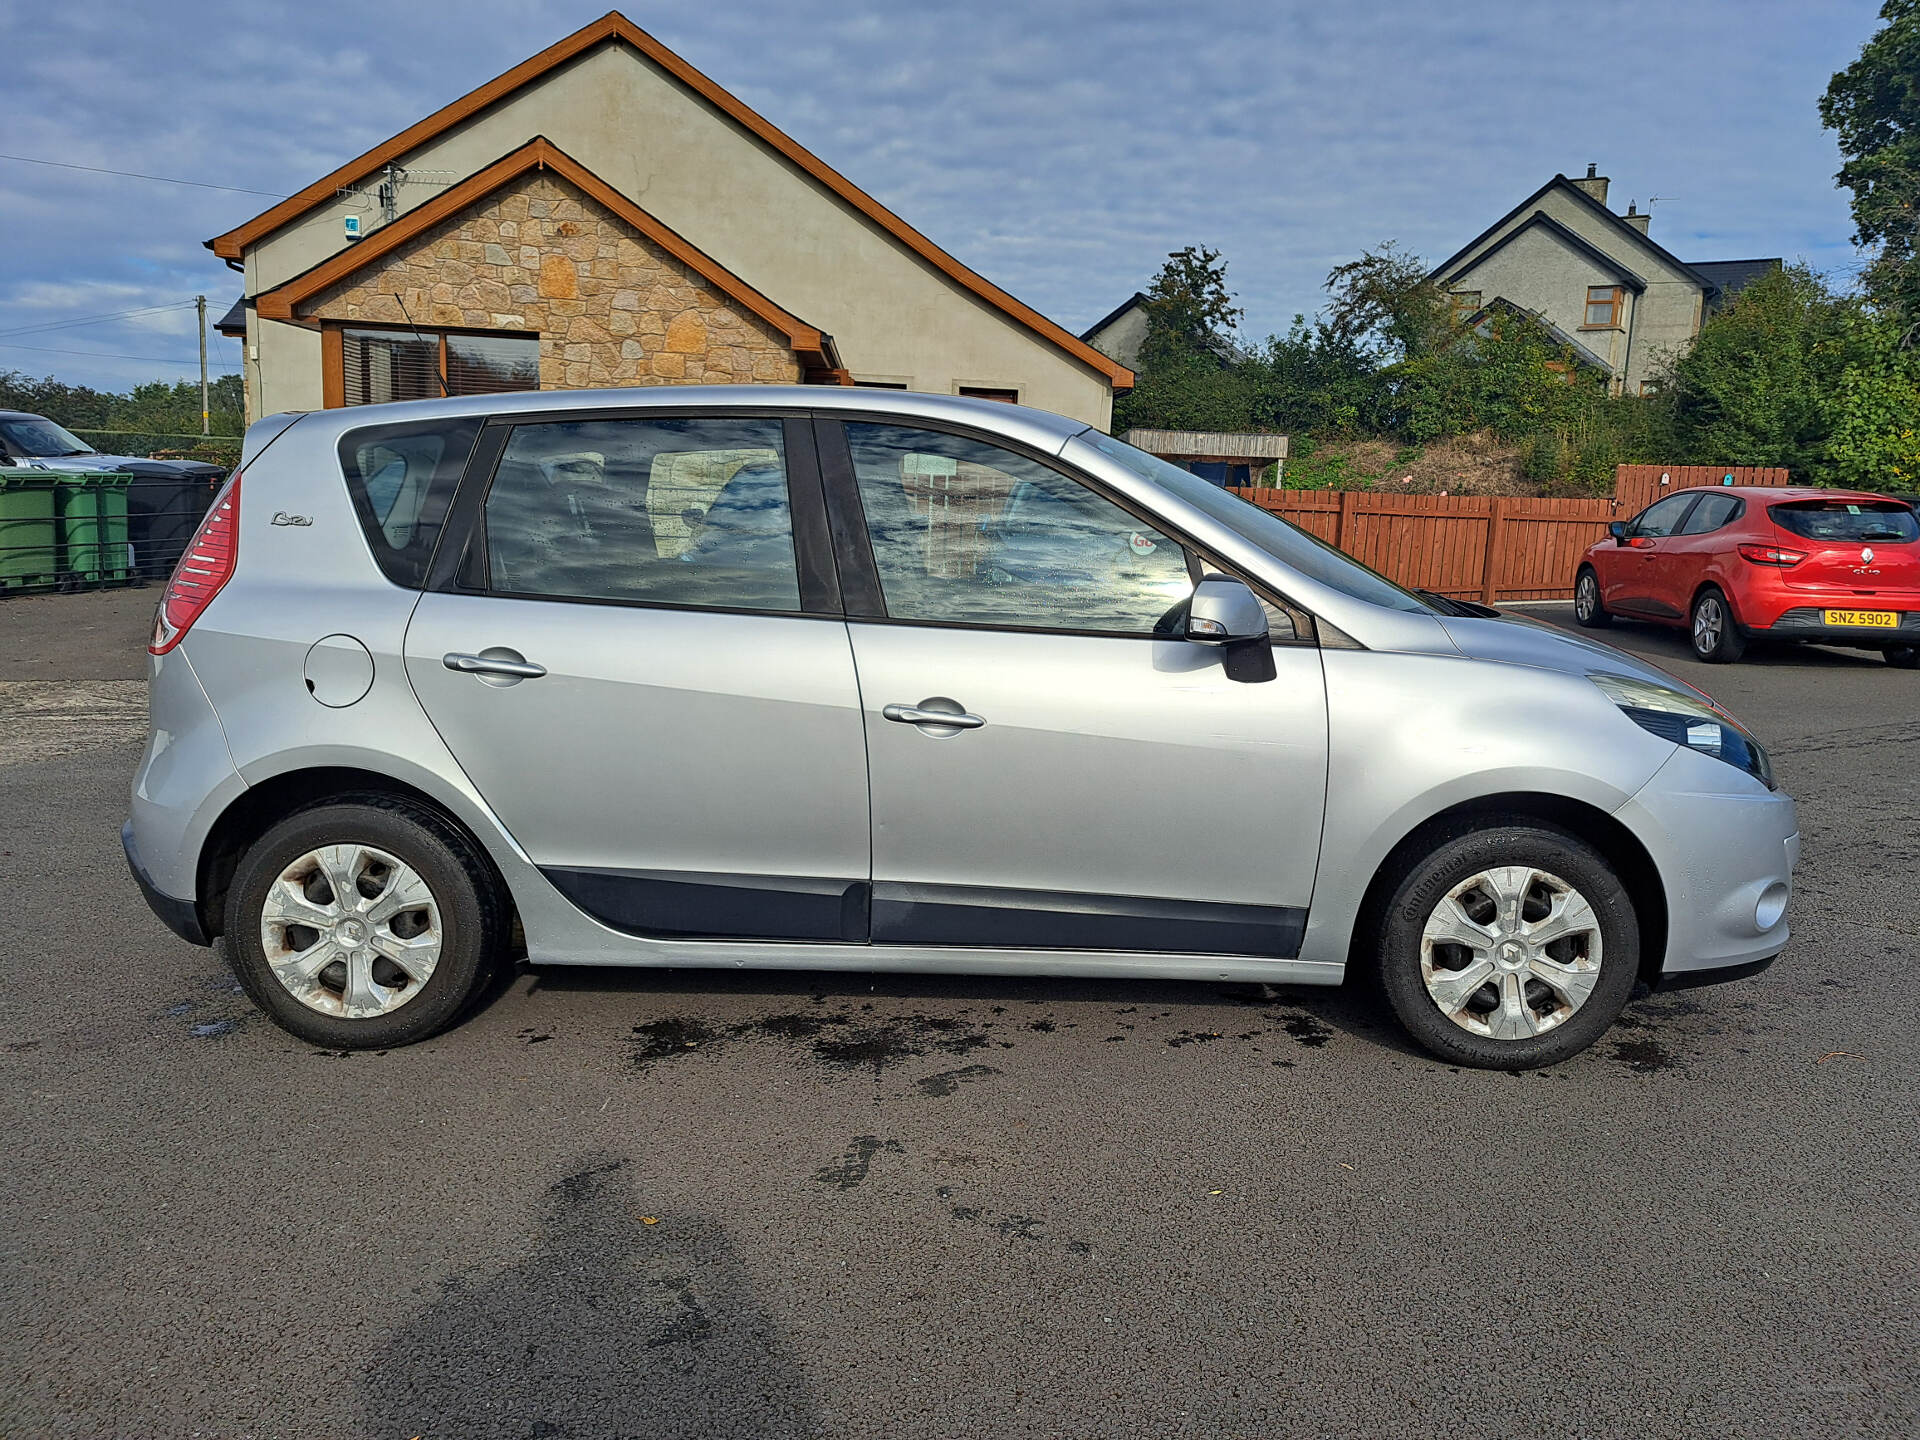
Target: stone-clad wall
[[609, 307]]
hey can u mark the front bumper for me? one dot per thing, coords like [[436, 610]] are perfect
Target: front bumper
[[180, 916], [1725, 848]]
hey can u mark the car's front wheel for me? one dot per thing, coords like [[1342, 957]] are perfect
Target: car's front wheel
[[364, 924], [1717, 636], [1508, 947], [1587, 608]]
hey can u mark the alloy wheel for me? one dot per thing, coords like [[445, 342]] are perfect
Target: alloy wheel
[[351, 931], [1511, 952], [1709, 623], [1586, 597]]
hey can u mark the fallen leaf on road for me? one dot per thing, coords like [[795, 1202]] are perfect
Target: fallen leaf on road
[[649, 1219], [1836, 1054]]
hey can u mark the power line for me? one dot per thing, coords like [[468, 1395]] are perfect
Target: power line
[[104, 355], [136, 175], [95, 319]]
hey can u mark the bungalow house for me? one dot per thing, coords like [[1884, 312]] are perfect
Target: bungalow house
[[604, 214], [1593, 277]]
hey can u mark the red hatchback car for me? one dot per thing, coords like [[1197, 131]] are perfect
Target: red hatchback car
[[1740, 563]]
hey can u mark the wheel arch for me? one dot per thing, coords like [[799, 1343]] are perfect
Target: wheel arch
[[1618, 845], [258, 807]]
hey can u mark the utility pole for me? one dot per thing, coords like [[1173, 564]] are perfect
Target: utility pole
[[206, 419]]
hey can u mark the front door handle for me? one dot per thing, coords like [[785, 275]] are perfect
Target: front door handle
[[937, 715], [494, 662]]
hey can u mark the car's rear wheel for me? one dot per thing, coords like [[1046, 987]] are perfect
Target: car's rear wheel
[[1903, 657], [1587, 608], [364, 924], [1508, 947], [1717, 636]]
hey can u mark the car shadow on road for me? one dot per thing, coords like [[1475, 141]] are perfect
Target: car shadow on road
[[620, 1321]]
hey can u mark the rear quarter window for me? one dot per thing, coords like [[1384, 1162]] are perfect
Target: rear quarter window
[[401, 479], [1847, 521]]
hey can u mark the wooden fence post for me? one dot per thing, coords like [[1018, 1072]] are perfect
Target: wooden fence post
[[1496, 547], [1349, 501]]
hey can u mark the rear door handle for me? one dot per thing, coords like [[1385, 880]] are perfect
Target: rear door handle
[[921, 714], [484, 664]]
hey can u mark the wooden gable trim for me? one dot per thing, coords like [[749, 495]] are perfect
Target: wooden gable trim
[[283, 302], [615, 27]]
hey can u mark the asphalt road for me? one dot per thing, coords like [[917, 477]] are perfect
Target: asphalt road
[[690, 1203]]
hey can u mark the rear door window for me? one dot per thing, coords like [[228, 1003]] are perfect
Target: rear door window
[[1713, 512], [401, 479], [1662, 517], [1847, 522], [687, 512]]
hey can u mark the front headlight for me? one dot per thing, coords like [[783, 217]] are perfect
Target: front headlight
[[1687, 720]]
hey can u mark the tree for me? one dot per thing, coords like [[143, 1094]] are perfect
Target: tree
[[1874, 107], [1384, 302], [1754, 387], [1190, 375]]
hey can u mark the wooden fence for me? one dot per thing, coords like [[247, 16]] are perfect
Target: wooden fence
[[1638, 486], [1471, 547]]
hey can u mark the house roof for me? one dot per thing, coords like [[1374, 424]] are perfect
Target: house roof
[[234, 322], [283, 301], [1541, 220], [1559, 337], [1733, 276], [1560, 182], [1139, 297], [615, 28]]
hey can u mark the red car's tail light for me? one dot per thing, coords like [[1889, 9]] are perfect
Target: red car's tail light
[[205, 567], [1772, 555]]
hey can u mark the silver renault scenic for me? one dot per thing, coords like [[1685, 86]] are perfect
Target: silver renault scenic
[[819, 679]]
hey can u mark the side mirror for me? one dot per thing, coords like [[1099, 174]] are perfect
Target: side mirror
[[1618, 530], [1224, 611]]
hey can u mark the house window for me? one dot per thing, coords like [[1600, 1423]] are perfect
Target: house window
[[1465, 303], [1603, 307], [381, 365], [987, 392]]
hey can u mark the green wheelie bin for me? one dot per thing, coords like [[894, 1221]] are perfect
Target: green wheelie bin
[[93, 527], [29, 557]]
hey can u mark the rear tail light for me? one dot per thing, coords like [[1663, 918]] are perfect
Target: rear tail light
[[1772, 555], [206, 566]]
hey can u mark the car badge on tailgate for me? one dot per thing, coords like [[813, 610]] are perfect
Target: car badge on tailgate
[[281, 517]]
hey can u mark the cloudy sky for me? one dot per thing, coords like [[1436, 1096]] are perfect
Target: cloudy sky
[[1060, 147]]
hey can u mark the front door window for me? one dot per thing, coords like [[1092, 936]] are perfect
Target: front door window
[[967, 533]]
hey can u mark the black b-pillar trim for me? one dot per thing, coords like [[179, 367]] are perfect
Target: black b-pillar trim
[[859, 576], [1056, 920], [812, 536], [680, 904]]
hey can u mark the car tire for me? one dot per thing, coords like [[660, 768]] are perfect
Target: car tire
[[1470, 884], [1587, 609], [421, 891], [1715, 634], [1903, 657]]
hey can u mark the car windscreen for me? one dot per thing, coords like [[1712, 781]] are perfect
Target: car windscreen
[[1847, 521], [37, 439], [1286, 542]]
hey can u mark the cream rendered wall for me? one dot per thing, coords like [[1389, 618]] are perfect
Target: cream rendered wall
[[889, 312], [1543, 273], [1123, 339]]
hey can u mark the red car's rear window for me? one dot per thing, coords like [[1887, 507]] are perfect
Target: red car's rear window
[[1847, 520]]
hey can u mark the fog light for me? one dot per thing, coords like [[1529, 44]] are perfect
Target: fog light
[[1772, 905]]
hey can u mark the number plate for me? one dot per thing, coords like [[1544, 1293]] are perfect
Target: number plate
[[1877, 619]]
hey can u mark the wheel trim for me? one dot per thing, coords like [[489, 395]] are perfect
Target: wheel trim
[[1586, 597], [334, 914], [1510, 953], [1709, 622]]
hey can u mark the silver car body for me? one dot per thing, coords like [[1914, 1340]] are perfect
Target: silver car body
[[726, 745]]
